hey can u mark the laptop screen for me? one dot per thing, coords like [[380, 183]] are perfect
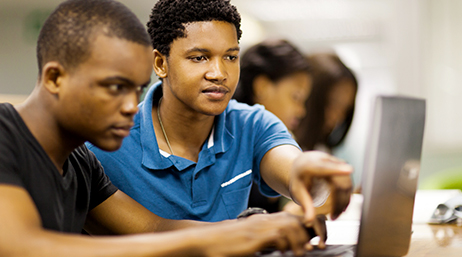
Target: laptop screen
[[389, 179]]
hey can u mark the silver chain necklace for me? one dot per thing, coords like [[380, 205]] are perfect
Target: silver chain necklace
[[162, 126]]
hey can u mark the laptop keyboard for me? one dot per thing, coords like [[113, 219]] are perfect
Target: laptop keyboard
[[330, 251]]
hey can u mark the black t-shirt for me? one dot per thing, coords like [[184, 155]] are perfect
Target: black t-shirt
[[63, 201]]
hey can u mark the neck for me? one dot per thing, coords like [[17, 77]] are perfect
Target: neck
[[186, 130], [41, 123]]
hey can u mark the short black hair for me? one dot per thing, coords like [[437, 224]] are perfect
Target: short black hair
[[168, 17], [274, 58], [67, 34]]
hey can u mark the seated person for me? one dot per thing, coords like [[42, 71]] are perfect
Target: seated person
[[94, 61], [330, 106], [274, 73], [329, 109], [193, 153]]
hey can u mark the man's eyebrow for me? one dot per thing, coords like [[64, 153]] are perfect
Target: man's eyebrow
[[126, 81], [204, 50], [197, 49], [233, 49]]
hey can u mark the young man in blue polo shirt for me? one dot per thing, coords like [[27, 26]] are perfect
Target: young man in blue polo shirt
[[194, 153]]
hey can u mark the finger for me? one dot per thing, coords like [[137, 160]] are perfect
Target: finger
[[331, 168], [281, 244], [297, 239], [321, 230], [341, 193], [338, 160], [308, 246], [335, 159], [341, 200], [306, 202], [321, 164]]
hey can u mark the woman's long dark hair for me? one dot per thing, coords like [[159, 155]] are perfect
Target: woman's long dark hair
[[327, 70], [274, 58]]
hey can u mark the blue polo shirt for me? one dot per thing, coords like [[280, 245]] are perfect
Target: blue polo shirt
[[215, 188]]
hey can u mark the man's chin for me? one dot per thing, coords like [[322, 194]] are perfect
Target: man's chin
[[215, 111], [108, 146]]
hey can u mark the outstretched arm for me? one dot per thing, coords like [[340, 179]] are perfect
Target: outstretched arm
[[22, 234]]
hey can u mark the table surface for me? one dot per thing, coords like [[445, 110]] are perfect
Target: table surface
[[435, 240]]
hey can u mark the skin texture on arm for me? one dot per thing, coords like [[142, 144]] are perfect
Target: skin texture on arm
[[290, 172], [22, 233], [120, 214]]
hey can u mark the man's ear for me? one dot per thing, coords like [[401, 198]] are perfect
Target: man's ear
[[52, 77], [261, 87], [159, 64]]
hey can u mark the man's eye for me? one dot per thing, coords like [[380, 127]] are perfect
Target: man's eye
[[115, 87], [232, 57], [198, 58]]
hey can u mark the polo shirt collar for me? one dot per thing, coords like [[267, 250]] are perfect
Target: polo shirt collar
[[223, 138], [219, 141], [152, 158]]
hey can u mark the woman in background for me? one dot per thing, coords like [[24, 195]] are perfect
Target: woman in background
[[329, 110], [274, 73], [330, 106]]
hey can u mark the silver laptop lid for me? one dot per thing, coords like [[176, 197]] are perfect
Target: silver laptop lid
[[389, 179]]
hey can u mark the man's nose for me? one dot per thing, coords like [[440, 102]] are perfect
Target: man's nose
[[130, 104], [217, 72]]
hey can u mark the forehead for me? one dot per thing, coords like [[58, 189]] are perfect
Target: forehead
[[211, 35], [116, 55], [298, 80]]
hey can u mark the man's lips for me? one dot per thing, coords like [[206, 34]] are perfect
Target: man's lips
[[122, 130], [215, 92]]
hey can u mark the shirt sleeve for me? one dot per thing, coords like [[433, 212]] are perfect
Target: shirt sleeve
[[269, 132], [9, 173], [101, 186]]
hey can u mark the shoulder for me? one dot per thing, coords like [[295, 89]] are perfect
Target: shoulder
[[235, 106], [237, 110], [4, 107], [13, 129], [83, 152], [7, 114], [254, 115], [84, 159]]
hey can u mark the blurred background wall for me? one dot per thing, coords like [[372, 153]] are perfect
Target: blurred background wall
[[406, 47]]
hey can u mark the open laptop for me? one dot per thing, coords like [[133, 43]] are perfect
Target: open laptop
[[389, 181]]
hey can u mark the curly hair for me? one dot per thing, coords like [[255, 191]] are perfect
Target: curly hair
[[274, 58], [67, 33], [168, 17]]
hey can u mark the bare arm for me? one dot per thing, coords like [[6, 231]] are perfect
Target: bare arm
[[21, 234], [120, 214]]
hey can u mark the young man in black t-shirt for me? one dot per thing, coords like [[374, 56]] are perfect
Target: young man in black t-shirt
[[94, 59]]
